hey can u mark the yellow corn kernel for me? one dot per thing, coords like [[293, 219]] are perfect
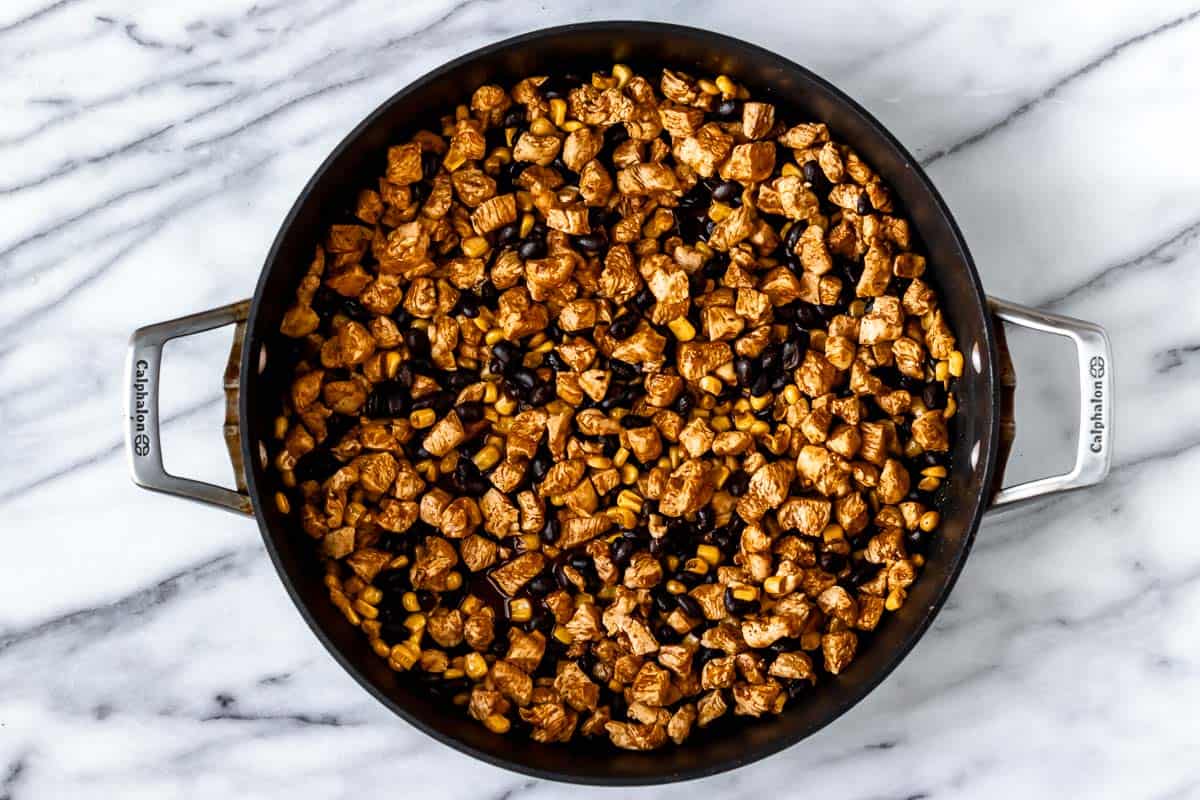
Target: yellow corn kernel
[[571, 125], [381, 648], [506, 405], [490, 393], [622, 516], [895, 599], [727, 86], [746, 593], [913, 449], [502, 154], [415, 622], [629, 474], [704, 250], [486, 458], [934, 472], [475, 666], [951, 407], [631, 500], [790, 169], [520, 610], [942, 371], [542, 126], [707, 401], [955, 363], [917, 559], [696, 566], [599, 462], [816, 340], [530, 541], [422, 418], [527, 221], [742, 422], [710, 553], [929, 520], [372, 595], [281, 427], [759, 427], [399, 562], [810, 640], [833, 533], [791, 394], [711, 385], [928, 484], [351, 615], [494, 336], [409, 601], [858, 308], [470, 604], [622, 73], [682, 328], [454, 581], [707, 86], [365, 609], [741, 405], [404, 655], [759, 402], [672, 563], [558, 111], [563, 635], [474, 246], [781, 584], [524, 201], [454, 159], [282, 503], [719, 475], [720, 424], [675, 587], [719, 211]]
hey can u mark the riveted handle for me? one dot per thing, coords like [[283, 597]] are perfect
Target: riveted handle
[[1093, 454], [143, 441]]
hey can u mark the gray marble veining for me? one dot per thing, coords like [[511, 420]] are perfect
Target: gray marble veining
[[148, 152]]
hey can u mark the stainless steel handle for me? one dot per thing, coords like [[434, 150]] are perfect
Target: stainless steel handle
[[1093, 455], [143, 442]]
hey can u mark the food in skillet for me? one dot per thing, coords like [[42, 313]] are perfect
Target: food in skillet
[[619, 407]]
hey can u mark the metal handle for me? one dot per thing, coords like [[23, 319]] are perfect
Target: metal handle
[[143, 442], [1093, 455]]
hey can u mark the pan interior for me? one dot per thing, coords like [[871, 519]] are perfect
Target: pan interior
[[648, 47]]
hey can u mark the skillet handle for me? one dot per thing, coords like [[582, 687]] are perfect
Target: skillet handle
[[1093, 455], [143, 441]]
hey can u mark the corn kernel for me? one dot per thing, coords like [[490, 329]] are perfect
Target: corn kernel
[[791, 394], [675, 587], [719, 475], [381, 648], [622, 516], [719, 211], [288, 478], [913, 448], [474, 246], [506, 405], [710, 553], [475, 666], [742, 422], [405, 655], [745, 593], [372, 595], [422, 418], [282, 503], [928, 484], [281, 427], [951, 407], [563, 635], [497, 723], [759, 427], [759, 402], [629, 474], [781, 584], [622, 73], [833, 533], [494, 336], [415, 622], [541, 127], [527, 221], [696, 566], [707, 86], [895, 599], [470, 604], [682, 328], [529, 542], [558, 111], [365, 609], [934, 472], [630, 500], [720, 424], [790, 169], [929, 520], [409, 602], [955, 363], [672, 563], [942, 371], [503, 155], [454, 159], [486, 458], [858, 308], [727, 86], [520, 610], [571, 125], [711, 385], [454, 581]]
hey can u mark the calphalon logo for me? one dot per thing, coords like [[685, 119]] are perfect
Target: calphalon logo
[[1096, 369], [141, 442]]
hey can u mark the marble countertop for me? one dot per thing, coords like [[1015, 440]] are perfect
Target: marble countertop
[[148, 152]]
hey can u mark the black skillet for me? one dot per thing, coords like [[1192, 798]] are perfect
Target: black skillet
[[255, 381]]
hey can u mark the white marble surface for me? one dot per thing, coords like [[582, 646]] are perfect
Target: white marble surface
[[148, 151]]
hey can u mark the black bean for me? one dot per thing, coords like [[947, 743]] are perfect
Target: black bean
[[508, 234], [458, 379], [793, 236], [532, 248], [468, 304], [831, 562], [915, 540], [689, 606], [746, 371], [316, 465], [664, 602], [807, 315], [621, 551], [863, 572], [427, 600], [791, 354], [417, 342], [684, 403], [542, 394], [590, 242], [705, 519], [933, 459], [623, 326], [635, 421], [431, 162], [555, 362], [643, 300], [489, 294], [762, 383], [737, 483], [728, 109], [515, 117], [507, 353], [864, 204], [561, 577], [698, 195], [614, 135], [727, 191], [623, 370], [933, 395], [541, 585], [549, 531], [541, 464], [815, 177], [471, 411]]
